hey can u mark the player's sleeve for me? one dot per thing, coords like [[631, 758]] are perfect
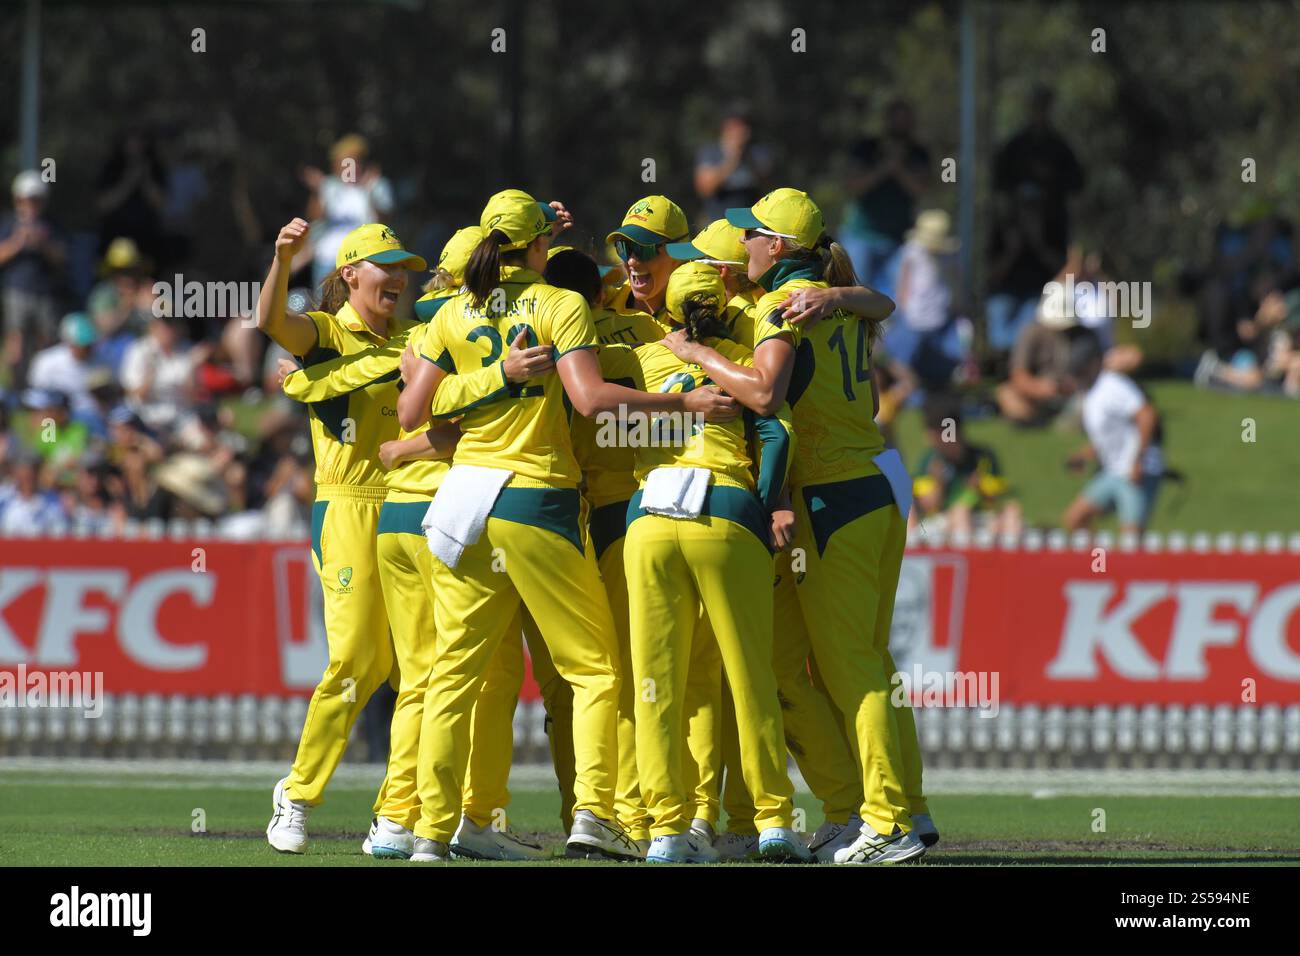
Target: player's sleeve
[[339, 376], [327, 345], [1125, 397], [458, 394], [775, 434], [619, 364], [768, 321], [568, 325]]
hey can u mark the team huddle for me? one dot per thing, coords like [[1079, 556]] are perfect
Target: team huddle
[[665, 478]]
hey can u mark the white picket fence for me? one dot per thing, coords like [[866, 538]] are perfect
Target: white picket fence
[[250, 728]]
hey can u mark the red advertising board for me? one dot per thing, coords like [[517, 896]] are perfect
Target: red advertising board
[[204, 618]]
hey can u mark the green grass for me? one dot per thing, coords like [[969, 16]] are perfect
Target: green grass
[[1232, 485], [53, 819]]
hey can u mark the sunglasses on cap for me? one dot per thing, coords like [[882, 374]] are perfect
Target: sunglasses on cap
[[627, 249], [764, 233]]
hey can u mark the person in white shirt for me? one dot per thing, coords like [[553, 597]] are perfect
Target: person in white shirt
[[158, 373], [66, 367], [1123, 430]]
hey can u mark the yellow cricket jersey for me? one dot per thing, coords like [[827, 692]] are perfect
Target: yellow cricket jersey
[[422, 476], [675, 442], [347, 430], [528, 432], [607, 469], [830, 387], [625, 303]]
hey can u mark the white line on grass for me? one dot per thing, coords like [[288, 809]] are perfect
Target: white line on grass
[[242, 775]]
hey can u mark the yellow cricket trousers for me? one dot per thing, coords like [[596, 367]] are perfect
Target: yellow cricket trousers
[[343, 521], [557, 701], [814, 730], [531, 550], [673, 566], [853, 537], [406, 574]]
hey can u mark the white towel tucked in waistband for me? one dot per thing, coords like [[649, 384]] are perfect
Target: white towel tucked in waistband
[[891, 466], [459, 510], [675, 492]]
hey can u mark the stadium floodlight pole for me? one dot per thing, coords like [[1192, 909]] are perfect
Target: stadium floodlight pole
[[966, 176], [31, 94]]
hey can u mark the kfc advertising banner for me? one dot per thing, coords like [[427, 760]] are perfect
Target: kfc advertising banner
[[205, 618]]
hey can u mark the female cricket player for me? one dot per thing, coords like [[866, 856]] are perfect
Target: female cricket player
[[846, 527], [357, 310], [531, 547], [712, 554]]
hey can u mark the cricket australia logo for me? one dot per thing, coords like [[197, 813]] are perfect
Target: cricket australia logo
[[345, 578]]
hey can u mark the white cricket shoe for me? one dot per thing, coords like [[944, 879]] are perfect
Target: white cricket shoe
[[830, 837], [871, 847], [736, 846], [702, 830], [287, 831], [782, 845], [681, 848], [925, 830], [486, 843], [388, 840], [430, 851], [592, 838]]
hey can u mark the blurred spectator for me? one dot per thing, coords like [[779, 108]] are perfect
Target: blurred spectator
[[887, 175], [1269, 357], [895, 383], [1256, 245], [1036, 392], [25, 509], [352, 194], [158, 373], [185, 189], [1021, 260], [957, 481], [67, 366], [924, 334], [1092, 307], [1039, 156], [734, 171], [121, 303], [133, 193], [47, 429], [1124, 438], [31, 254], [189, 486]]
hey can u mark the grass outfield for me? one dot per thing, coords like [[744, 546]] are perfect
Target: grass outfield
[[55, 818], [1203, 439]]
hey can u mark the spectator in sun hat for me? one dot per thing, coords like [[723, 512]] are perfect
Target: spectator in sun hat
[[925, 333], [1035, 391], [67, 366], [31, 255]]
